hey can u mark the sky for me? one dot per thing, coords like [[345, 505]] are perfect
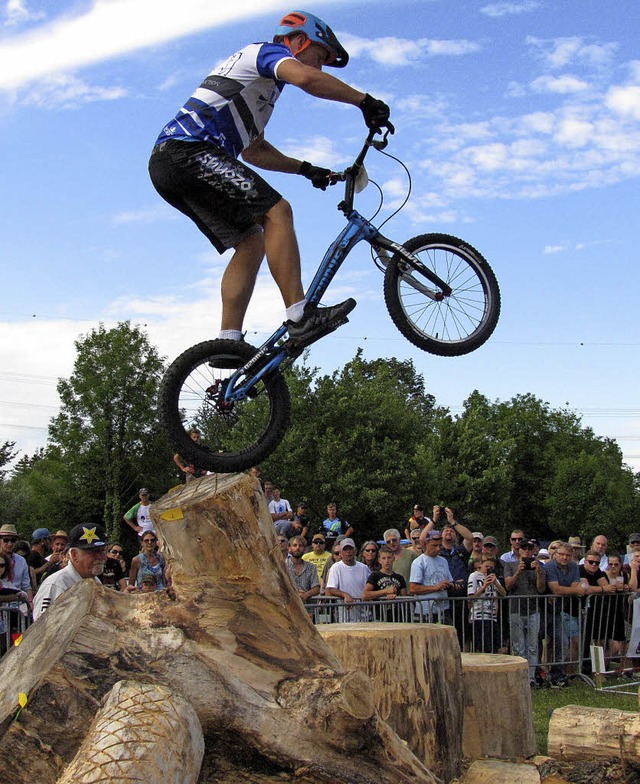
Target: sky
[[519, 122]]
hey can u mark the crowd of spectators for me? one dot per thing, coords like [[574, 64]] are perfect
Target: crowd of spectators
[[33, 574], [529, 601]]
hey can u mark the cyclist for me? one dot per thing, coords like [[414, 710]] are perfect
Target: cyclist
[[194, 166]]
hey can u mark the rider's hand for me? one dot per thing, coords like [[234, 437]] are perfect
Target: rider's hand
[[376, 113], [319, 177]]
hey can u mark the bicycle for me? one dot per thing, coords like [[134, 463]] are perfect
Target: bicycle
[[440, 292]]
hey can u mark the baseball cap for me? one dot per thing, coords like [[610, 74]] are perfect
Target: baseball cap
[[434, 535], [477, 535], [39, 534], [143, 491], [634, 538], [87, 536], [490, 540], [527, 544], [346, 542], [544, 553]]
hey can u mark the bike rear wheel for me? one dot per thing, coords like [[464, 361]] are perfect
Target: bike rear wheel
[[449, 325], [235, 436]]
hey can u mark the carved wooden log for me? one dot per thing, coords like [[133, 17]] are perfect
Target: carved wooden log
[[577, 733], [499, 772], [273, 700], [144, 732], [417, 679], [498, 716]]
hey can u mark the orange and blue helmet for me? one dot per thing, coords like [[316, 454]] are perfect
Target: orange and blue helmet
[[317, 32]]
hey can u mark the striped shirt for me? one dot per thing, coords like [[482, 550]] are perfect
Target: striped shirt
[[233, 104]]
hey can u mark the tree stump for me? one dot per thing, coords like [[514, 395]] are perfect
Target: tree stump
[[577, 732], [236, 644], [499, 772], [498, 715], [417, 683]]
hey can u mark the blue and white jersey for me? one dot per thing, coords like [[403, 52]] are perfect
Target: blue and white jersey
[[234, 103]]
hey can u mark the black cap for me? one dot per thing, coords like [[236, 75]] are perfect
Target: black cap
[[87, 536]]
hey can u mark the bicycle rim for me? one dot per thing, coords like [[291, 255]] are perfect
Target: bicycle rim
[[451, 325], [234, 436]]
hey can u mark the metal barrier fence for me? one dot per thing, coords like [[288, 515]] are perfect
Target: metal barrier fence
[[554, 633], [12, 624]]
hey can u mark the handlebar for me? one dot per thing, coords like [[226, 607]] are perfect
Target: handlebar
[[350, 174]]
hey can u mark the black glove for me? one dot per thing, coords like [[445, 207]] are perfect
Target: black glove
[[319, 177], [376, 113]]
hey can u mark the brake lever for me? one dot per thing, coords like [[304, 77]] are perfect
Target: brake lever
[[380, 144]]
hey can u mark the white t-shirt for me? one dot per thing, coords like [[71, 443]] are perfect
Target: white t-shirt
[[349, 579]]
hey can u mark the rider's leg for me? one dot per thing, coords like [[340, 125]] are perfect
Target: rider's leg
[[239, 280], [283, 254]]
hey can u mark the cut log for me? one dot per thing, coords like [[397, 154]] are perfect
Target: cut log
[[498, 772], [236, 644], [498, 715], [416, 675], [577, 732], [144, 732]]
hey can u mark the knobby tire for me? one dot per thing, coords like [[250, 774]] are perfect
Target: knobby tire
[[457, 324], [233, 438]]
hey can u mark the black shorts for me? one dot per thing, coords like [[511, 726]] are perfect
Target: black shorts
[[223, 197]]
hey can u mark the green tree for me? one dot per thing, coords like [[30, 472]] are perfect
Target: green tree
[[356, 438], [107, 433]]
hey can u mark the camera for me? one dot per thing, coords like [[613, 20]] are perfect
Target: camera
[[528, 562], [490, 570], [443, 513]]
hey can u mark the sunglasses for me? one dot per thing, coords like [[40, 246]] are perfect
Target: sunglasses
[[3, 563], [317, 541], [10, 539], [517, 538], [593, 563], [148, 541], [371, 550], [415, 538], [116, 552]]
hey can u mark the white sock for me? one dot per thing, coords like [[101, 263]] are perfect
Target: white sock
[[296, 311], [230, 334]]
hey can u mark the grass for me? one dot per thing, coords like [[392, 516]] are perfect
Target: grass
[[545, 701]]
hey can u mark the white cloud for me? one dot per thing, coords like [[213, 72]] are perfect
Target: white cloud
[[550, 250], [160, 212], [393, 51], [17, 13], [68, 92], [319, 149], [111, 28], [497, 10], [560, 52], [625, 101], [559, 84]]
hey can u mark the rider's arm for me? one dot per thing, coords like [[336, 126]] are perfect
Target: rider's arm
[[264, 155], [318, 83]]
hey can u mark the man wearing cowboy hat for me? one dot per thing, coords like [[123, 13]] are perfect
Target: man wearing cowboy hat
[[19, 571], [87, 556]]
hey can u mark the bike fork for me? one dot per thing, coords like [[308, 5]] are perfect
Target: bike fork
[[386, 248]]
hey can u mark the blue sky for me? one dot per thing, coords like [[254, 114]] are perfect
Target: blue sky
[[520, 122]]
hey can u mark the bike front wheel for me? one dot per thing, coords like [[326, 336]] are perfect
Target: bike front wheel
[[234, 436], [445, 324]]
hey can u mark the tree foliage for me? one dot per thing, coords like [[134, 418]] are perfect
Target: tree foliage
[[105, 442], [368, 436]]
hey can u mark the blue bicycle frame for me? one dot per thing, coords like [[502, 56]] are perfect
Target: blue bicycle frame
[[273, 353]]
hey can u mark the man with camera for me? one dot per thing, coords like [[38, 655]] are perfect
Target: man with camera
[[525, 578]]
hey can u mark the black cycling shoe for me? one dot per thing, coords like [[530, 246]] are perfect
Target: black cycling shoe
[[318, 322]]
